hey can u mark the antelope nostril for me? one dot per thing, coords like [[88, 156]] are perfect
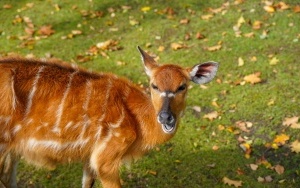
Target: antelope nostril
[[165, 117]]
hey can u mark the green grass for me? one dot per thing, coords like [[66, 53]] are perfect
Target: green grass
[[188, 160]]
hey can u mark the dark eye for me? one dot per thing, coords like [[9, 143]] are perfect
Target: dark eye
[[181, 88], [154, 86]]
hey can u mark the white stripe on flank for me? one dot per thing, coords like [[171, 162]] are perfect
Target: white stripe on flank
[[119, 122], [16, 129], [33, 143], [59, 112], [32, 92], [99, 149], [88, 91]]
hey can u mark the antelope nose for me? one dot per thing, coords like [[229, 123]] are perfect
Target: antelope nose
[[165, 118]]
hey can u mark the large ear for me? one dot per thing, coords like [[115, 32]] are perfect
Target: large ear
[[203, 73], [149, 62]]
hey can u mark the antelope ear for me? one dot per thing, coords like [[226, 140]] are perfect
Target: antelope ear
[[149, 62], [203, 73]]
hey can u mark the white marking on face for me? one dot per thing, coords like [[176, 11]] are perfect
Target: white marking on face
[[33, 90], [99, 149], [167, 94], [59, 112]]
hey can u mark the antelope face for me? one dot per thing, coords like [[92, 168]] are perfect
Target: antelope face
[[168, 92], [169, 85]]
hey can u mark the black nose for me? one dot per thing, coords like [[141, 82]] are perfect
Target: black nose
[[165, 118]]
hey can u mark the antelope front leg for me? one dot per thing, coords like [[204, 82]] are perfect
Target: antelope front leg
[[8, 171], [88, 179]]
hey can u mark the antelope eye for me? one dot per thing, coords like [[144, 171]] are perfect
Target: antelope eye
[[154, 87], [182, 87]]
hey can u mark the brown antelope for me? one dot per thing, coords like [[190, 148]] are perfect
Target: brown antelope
[[54, 113]]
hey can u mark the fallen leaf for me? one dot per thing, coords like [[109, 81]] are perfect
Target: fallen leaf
[[269, 8], [7, 6], [177, 46], [161, 48], [199, 36], [214, 48], [240, 62], [282, 6], [253, 78], [184, 21], [257, 25], [281, 139], [145, 9], [211, 116], [260, 179], [232, 182], [197, 109], [215, 148], [207, 17], [152, 172], [46, 30], [279, 169], [290, 121], [296, 9], [274, 61], [295, 126], [268, 179], [254, 167], [249, 35], [295, 146], [242, 126]]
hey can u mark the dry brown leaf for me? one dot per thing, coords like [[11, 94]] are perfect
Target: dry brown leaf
[[279, 169], [184, 21], [7, 6], [295, 126], [199, 36], [253, 78], [282, 6], [211, 116], [295, 146], [290, 121], [46, 30], [197, 109], [232, 182], [296, 9], [242, 126], [215, 148], [254, 167], [177, 46]]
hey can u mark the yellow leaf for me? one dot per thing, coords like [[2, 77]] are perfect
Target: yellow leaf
[[295, 126], [240, 62], [232, 182], [269, 8], [281, 139], [295, 146], [253, 78], [207, 17], [145, 9], [257, 24], [214, 48], [274, 61]]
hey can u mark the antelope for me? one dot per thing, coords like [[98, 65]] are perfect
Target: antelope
[[52, 113]]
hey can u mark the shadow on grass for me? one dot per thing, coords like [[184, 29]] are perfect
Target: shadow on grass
[[173, 167]]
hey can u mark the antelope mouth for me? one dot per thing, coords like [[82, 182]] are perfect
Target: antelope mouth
[[169, 128]]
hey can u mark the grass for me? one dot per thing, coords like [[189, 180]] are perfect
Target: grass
[[188, 160]]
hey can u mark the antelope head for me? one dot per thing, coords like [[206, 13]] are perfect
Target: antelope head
[[168, 86]]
